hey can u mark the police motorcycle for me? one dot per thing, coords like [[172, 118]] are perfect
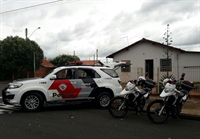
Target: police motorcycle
[[159, 110], [131, 97]]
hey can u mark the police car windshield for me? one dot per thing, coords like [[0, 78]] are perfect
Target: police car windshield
[[48, 73], [111, 72]]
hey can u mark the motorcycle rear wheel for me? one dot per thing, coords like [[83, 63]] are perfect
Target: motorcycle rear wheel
[[153, 110], [117, 107]]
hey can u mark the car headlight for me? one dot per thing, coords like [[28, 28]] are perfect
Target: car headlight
[[15, 85]]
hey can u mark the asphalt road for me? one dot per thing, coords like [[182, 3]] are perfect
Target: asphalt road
[[2, 86], [84, 121]]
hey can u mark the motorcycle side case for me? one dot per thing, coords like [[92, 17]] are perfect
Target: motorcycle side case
[[187, 85], [149, 83]]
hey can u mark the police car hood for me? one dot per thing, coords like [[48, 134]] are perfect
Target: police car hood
[[26, 80]]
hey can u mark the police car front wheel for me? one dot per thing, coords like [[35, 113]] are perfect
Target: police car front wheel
[[32, 102], [103, 100]]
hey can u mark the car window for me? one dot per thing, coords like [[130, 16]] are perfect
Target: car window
[[48, 73], [87, 73], [66, 74], [111, 72]]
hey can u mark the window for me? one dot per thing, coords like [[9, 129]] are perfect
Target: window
[[110, 72], [127, 67], [165, 65], [66, 74], [87, 73]]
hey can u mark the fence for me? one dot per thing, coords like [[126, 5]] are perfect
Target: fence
[[192, 73]]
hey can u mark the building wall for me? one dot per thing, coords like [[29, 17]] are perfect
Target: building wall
[[147, 51], [189, 63]]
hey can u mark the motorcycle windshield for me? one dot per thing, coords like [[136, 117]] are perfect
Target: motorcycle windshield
[[130, 88]]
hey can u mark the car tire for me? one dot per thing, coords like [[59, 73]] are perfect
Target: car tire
[[103, 100], [32, 102]]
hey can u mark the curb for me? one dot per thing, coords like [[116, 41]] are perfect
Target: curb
[[186, 116], [195, 96], [189, 116], [9, 107]]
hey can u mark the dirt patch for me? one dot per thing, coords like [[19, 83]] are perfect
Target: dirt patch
[[191, 106]]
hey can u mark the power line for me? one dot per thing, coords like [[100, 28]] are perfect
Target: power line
[[31, 6], [9, 2]]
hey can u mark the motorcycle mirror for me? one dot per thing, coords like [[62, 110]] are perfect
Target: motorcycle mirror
[[135, 81], [183, 75], [173, 81], [146, 74]]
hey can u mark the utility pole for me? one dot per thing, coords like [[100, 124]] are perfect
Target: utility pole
[[96, 54], [26, 34]]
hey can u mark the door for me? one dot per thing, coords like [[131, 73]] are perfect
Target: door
[[65, 85], [149, 68], [87, 82]]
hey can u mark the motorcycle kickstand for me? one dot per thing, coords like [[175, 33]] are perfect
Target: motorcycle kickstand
[[177, 117], [137, 111]]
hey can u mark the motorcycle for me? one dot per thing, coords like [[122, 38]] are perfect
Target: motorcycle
[[158, 111], [131, 98]]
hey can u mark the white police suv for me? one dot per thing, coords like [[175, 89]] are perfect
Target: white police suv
[[64, 84]]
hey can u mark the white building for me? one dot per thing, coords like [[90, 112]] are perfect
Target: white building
[[149, 56]]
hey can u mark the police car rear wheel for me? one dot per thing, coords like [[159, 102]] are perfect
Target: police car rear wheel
[[103, 100], [32, 102]]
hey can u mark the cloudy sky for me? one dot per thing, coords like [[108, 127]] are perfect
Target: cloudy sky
[[83, 26]]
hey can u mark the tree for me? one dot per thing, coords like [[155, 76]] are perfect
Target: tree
[[167, 51], [63, 60], [17, 56]]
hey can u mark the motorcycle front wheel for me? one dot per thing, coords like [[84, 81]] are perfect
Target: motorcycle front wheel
[[117, 107], [156, 113]]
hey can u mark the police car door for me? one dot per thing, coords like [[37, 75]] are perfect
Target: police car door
[[65, 86], [87, 83]]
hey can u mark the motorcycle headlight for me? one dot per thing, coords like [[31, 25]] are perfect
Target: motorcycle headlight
[[166, 90], [128, 88], [15, 85]]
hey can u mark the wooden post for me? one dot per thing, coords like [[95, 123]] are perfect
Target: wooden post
[[158, 89]]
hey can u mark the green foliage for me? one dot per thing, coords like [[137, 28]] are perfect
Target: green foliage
[[63, 60], [197, 85], [165, 76], [16, 55]]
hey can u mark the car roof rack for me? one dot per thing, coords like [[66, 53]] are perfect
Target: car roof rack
[[79, 63], [113, 65]]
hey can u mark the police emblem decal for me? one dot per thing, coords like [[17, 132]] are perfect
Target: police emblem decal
[[62, 87]]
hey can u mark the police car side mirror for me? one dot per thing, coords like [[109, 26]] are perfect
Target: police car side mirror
[[53, 77]]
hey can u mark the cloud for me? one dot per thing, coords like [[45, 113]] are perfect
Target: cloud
[[190, 35], [65, 35], [82, 27]]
